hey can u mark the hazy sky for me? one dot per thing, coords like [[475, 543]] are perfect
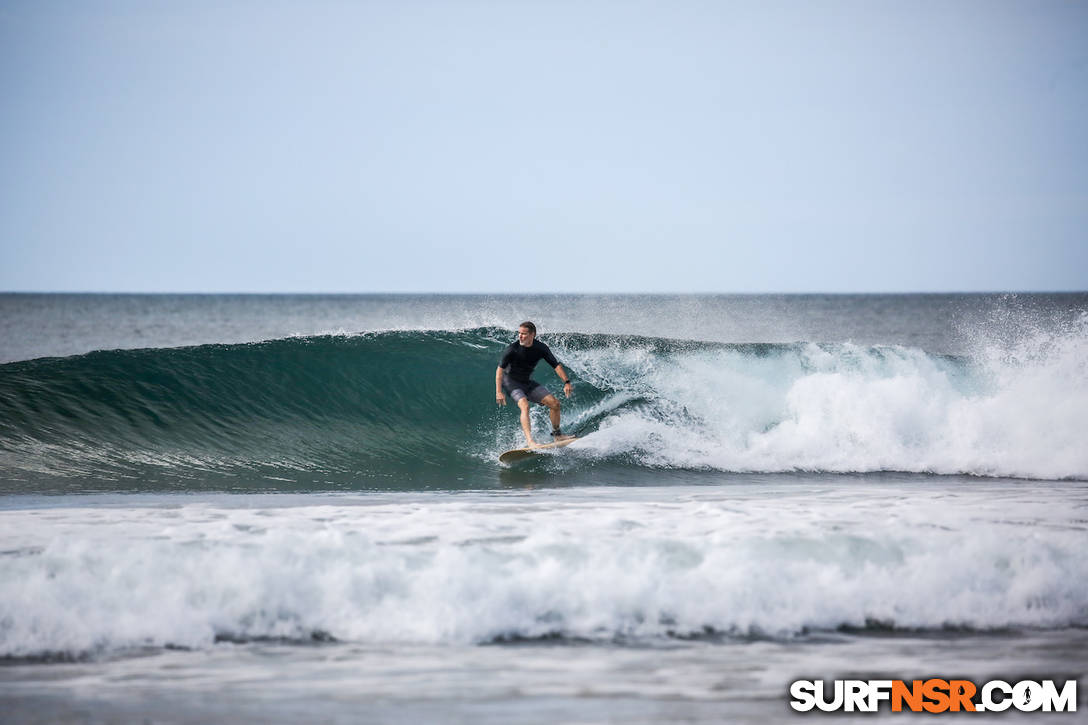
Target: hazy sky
[[543, 146]]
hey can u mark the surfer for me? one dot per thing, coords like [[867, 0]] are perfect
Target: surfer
[[514, 376]]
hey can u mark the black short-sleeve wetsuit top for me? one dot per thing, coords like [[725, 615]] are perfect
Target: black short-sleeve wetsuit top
[[518, 361]]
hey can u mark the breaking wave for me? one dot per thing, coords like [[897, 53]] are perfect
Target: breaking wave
[[405, 410]]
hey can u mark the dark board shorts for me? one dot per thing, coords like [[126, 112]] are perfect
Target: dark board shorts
[[532, 390]]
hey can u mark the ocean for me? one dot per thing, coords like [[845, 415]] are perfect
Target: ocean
[[288, 508]]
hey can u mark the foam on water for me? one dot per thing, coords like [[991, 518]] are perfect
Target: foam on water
[[436, 569], [1006, 410]]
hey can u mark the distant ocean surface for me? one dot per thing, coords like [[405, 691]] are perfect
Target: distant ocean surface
[[289, 508]]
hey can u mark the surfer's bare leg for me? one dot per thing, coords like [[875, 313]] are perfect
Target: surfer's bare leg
[[553, 412], [553, 409], [525, 427]]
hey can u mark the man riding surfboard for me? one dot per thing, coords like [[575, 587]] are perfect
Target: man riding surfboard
[[514, 376]]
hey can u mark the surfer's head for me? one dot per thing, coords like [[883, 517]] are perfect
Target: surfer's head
[[526, 333]]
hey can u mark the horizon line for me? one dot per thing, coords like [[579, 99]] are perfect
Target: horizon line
[[540, 293]]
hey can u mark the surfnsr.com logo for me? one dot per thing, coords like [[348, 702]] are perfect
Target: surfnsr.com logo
[[933, 695]]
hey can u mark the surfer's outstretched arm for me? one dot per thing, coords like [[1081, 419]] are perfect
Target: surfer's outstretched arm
[[499, 397]]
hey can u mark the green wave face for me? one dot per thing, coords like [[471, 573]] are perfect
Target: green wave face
[[335, 411]]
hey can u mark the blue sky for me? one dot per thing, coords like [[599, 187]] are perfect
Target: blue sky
[[543, 146]]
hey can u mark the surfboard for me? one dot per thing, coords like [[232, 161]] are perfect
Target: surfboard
[[518, 454]]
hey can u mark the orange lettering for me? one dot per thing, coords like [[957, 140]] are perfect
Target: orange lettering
[[912, 695], [961, 693], [937, 692]]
